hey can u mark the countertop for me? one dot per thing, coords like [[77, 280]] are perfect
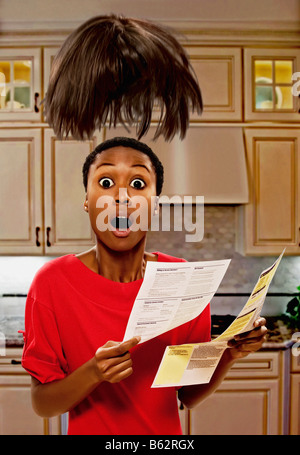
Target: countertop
[[279, 335]]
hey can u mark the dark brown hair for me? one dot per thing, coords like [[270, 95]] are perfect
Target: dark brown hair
[[129, 143], [113, 70]]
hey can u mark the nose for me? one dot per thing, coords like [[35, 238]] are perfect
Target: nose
[[122, 196]]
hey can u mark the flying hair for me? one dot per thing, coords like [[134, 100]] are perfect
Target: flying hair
[[115, 70]]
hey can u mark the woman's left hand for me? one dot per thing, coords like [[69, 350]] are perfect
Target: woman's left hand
[[248, 342]]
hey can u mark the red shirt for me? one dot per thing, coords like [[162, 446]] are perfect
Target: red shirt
[[72, 311]]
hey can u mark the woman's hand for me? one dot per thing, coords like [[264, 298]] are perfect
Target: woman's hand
[[113, 361], [248, 342]]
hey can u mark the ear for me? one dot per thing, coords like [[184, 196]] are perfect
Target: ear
[[85, 205]]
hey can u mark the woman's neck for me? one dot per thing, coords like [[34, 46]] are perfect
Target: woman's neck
[[121, 266], [118, 266]]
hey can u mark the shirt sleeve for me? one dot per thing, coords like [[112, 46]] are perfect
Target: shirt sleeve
[[43, 356]]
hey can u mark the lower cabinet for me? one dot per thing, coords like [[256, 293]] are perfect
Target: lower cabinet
[[295, 393], [252, 400], [16, 414]]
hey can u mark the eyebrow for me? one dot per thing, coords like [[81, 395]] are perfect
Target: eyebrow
[[134, 165]]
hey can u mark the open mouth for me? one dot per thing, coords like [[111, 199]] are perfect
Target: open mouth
[[121, 223]]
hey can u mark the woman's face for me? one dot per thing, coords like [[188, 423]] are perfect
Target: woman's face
[[121, 192]]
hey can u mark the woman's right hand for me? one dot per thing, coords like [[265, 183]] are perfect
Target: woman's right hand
[[113, 361]]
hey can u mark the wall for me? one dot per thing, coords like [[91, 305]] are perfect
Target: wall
[[46, 15]]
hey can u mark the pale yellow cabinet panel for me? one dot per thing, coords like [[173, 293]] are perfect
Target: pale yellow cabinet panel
[[48, 56], [20, 84], [219, 72], [238, 407], [16, 414], [295, 394], [21, 191], [269, 81], [272, 218], [66, 223], [252, 400], [42, 209], [295, 404]]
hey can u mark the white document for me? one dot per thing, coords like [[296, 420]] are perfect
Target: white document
[[195, 363], [173, 293]]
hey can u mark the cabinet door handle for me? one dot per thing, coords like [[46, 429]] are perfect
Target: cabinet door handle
[[15, 362], [36, 97], [37, 242], [48, 236]]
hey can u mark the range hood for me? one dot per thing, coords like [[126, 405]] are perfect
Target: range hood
[[209, 162]]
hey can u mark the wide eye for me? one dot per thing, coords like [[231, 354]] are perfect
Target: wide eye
[[106, 182], [137, 183]]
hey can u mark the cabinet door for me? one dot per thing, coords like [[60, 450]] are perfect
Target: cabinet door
[[16, 414], [21, 191], [272, 219], [67, 225], [48, 54], [20, 84], [239, 407], [219, 73], [295, 404], [268, 84]]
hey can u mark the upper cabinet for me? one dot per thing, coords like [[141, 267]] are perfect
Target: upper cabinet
[[219, 72], [272, 219], [268, 84], [66, 225], [21, 191], [42, 193], [20, 84], [48, 56]]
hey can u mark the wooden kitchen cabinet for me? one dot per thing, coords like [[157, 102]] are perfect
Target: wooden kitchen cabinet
[[268, 84], [16, 414], [20, 84], [43, 193], [295, 395], [21, 191], [219, 72], [252, 400], [67, 226], [271, 220]]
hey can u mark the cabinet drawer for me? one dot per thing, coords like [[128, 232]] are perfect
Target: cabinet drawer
[[11, 362], [295, 363], [256, 365]]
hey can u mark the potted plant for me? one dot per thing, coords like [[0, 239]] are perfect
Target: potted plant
[[292, 313]]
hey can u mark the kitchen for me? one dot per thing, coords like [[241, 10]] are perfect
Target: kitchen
[[244, 58]]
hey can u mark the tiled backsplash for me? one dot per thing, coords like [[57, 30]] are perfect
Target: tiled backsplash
[[16, 273]]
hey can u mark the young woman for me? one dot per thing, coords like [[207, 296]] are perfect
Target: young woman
[[78, 307]]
